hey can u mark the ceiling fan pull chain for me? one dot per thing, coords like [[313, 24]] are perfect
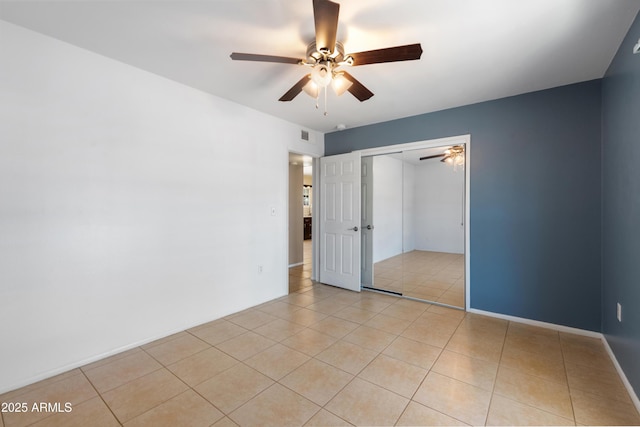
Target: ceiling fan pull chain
[[325, 100]]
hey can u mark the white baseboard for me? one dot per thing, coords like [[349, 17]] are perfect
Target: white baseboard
[[623, 377], [83, 362], [74, 365], [559, 328], [583, 332], [296, 264]]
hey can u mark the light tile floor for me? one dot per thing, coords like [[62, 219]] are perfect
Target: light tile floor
[[323, 356], [425, 275], [300, 275]]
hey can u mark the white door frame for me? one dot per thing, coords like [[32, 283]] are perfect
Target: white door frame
[[388, 149]]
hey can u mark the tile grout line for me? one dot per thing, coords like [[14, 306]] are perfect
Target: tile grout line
[[495, 381], [267, 388], [566, 374], [189, 387], [378, 353], [174, 396], [102, 398], [321, 407], [51, 414], [543, 378], [162, 366], [430, 370]]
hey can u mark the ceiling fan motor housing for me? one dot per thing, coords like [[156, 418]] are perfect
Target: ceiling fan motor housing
[[314, 55]]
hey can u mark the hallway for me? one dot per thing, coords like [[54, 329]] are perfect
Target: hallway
[[300, 276]]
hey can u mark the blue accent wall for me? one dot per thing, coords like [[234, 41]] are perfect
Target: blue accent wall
[[621, 205], [535, 198]]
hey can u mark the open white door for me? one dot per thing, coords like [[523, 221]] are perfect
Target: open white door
[[340, 221]]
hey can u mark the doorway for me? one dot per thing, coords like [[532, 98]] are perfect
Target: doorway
[[301, 208]]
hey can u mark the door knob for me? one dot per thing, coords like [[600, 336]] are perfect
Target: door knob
[[354, 228], [369, 227]]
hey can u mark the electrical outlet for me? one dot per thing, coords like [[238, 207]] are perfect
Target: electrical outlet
[[619, 312], [260, 269]]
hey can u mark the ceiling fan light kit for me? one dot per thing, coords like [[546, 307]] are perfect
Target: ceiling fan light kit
[[325, 55], [340, 84], [454, 156]]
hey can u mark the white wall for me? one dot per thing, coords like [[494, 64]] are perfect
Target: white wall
[[408, 212], [131, 206], [387, 207], [416, 207], [439, 208]]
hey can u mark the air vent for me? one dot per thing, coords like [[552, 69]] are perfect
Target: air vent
[[304, 135]]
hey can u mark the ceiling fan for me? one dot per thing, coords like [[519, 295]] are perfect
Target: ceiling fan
[[325, 55], [452, 155]]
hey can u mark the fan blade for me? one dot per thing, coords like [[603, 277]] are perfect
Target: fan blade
[[263, 58], [432, 157], [391, 54], [357, 89], [325, 14], [295, 89]]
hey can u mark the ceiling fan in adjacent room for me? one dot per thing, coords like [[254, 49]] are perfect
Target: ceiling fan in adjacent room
[[326, 55], [452, 155]]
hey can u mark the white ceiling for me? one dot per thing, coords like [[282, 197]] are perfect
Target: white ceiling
[[474, 50]]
